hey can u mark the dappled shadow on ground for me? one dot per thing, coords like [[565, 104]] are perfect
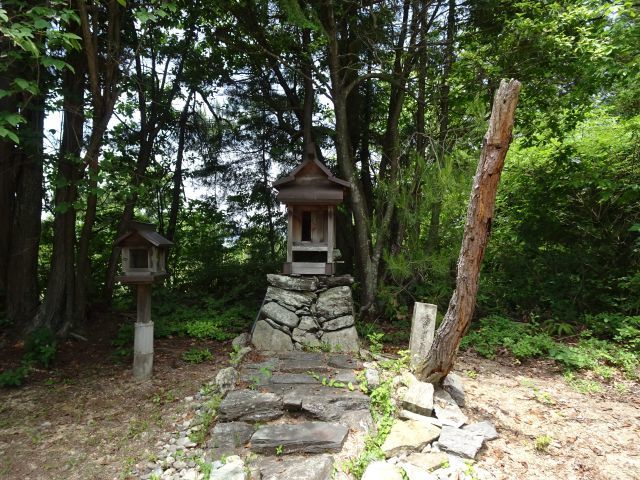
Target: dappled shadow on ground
[[87, 418]]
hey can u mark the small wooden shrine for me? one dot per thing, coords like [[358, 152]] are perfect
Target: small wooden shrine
[[311, 193], [143, 252]]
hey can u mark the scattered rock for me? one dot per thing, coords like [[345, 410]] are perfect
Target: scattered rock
[[453, 385], [382, 470], [428, 461], [265, 337], [226, 380], [419, 398], [241, 340], [409, 435], [359, 421], [309, 437], [342, 340], [486, 429], [372, 377], [233, 469], [416, 473], [280, 315], [447, 410], [297, 468], [407, 415], [250, 406], [460, 442]]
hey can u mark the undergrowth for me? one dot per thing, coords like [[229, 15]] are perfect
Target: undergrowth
[[597, 349]]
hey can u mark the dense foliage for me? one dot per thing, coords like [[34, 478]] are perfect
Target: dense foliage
[[183, 113]]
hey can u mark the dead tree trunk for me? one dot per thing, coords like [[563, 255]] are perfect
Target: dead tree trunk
[[495, 146]]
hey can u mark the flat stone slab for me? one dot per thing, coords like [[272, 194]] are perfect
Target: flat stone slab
[[292, 300], [419, 398], [460, 442], [302, 362], [330, 404], [486, 429], [447, 410], [409, 435], [345, 340], [292, 283], [337, 360], [250, 406], [226, 438], [297, 468], [415, 473], [407, 415], [293, 379], [309, 437]]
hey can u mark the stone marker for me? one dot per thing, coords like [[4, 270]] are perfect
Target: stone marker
[[250, 406], [453, 385], [486, 429], [419, 398], [297, 468], [265, 337], [309, 437], [382, 470], [447, 410], [460, 442], [409, 435], [423, 326]]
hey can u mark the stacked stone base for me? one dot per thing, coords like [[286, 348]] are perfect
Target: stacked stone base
[[302, 313]]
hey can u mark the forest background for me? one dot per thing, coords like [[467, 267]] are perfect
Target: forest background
[[183, 113]]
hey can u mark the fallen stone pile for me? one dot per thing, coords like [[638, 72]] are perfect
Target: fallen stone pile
[[431, 439], [301, 312]]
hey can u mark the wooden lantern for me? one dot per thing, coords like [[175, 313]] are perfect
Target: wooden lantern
[[311, 193], [143, 252]]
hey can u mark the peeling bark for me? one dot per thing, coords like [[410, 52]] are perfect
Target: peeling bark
[[441, 357]]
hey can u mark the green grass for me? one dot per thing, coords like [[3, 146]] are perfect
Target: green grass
[[526, 340]]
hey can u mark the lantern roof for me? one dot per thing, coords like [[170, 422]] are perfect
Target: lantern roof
[[147, 231]]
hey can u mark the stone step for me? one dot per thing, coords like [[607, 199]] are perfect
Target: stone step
[[308, 437], [316, 467], [250, 406]]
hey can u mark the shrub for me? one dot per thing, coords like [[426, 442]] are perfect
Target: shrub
[[197, 355]]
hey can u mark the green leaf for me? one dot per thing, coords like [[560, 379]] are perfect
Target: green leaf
[[3, 15], [28, 85], [4, 133], [123, 2], [13, 119]]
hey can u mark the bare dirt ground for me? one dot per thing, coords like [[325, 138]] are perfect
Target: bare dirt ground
[[88, 419], [592, 436]]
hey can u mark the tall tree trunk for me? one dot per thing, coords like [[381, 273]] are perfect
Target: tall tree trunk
[[177, 174], [57, 311], [441, 357], [22, 274]]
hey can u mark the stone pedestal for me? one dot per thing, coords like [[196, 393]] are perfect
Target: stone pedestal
[[306, 312]]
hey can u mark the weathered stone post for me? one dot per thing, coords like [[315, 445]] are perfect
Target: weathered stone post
[[423, 327], [143, 338]]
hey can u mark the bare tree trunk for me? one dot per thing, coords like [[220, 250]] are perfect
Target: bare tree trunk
[[441, 357], [22, 275]]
